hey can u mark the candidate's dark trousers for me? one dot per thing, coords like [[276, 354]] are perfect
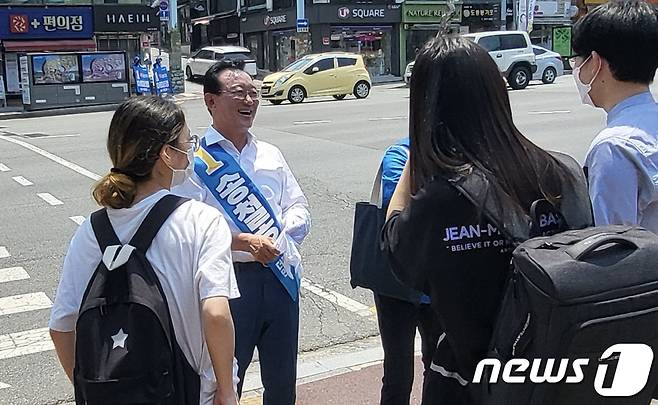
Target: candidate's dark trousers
[[398, 321], [266, 317]]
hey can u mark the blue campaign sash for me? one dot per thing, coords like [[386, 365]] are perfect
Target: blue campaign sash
[[243, 203]]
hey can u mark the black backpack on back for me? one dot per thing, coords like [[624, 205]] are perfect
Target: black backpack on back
[[572, 296], [126, 351]]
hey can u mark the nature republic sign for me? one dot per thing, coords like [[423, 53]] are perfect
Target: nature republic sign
[[428, 13]]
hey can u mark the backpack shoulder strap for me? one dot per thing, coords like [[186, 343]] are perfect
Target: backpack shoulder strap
[[486, 195], [103, 229], [154, 221]]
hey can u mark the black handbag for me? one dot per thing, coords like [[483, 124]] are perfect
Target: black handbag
[[369, 267]]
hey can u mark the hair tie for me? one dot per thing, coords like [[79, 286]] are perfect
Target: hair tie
[[119, 171]]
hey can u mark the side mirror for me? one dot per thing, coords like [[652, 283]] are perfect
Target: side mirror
[[315, 69]]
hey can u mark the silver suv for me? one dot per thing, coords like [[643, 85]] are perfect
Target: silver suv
[[512, 52]]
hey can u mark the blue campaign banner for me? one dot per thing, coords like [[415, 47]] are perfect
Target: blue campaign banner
[[142, 80], [161, 77], [54, 22]]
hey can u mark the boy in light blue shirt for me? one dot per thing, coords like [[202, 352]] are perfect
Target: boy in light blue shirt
[[616, 60]]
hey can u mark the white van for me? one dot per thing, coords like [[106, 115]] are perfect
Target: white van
[[199, 63]]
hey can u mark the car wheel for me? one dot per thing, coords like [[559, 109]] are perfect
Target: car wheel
[[361, 89], [519, 78], [188, 73], [276, 102], [340, 96], [297, 94], [549, 75]]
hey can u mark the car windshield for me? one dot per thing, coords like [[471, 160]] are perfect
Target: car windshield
[[296, 65], [237, 55]]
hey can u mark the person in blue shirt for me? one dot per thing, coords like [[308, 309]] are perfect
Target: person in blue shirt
[[398, 317], [616, 59]]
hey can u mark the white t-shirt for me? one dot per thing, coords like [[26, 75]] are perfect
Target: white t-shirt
[[191, 255]]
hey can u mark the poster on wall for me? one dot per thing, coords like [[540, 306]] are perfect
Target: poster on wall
[[103, 67], [11, 70], [55, 69], [2, 89], [25, 80]]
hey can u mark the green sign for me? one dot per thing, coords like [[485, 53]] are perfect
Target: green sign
[[562, 41], [428, 13]]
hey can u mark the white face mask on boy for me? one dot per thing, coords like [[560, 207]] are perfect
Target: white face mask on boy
[[584, 89]]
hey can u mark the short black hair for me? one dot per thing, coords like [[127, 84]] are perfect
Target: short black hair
[[624, 33], [211, 82]]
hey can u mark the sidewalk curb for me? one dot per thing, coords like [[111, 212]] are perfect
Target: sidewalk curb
[[323, 363], [57, 111]]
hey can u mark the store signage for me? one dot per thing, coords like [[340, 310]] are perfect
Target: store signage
[[275, 20], [46, 23], [546, 9], [428, 13], [481, 13], [361, 13], [128, 18]]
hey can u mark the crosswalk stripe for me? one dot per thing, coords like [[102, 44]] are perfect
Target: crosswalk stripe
[[24, 343], [24, 303], [49, 198], [4, 252], [22, 181], [4, 168], [78, 220], [3, 386], [336, 298], [13, 274]]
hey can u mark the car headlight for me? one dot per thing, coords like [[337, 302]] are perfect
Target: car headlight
[[282, 80]]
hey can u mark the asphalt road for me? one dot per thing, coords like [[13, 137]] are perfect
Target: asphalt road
[[333, 147]]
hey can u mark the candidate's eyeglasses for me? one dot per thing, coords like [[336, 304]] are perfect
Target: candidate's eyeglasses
[[240, 94]]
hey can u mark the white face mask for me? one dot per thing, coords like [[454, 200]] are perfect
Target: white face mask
[[178, 176], [584, 89]]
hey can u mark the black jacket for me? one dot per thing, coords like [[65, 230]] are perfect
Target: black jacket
[[444, 245]]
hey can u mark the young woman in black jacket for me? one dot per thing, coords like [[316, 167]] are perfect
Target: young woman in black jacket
[[446, 244]]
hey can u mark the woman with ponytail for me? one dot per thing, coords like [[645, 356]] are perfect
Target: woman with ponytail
[[151, 150]]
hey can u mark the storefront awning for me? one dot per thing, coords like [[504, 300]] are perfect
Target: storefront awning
[[61, 45], [207, 19]]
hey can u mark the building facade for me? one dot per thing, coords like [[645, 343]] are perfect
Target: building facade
[[76, 25]]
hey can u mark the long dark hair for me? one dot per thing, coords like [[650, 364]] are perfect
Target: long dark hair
[[460, 117], [140, 127]]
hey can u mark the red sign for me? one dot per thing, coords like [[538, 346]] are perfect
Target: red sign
[[18, 24], [326, 41]]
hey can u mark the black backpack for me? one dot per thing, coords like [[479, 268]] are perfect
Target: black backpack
[[125, 349], [571, 296], [574, 297]]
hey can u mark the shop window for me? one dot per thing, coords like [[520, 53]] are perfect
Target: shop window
[[491, 44], [323, 64], [513, 41], [342, 62]]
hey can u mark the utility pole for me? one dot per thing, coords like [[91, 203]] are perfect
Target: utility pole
[[175, 63]]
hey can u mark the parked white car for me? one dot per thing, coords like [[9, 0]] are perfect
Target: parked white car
[[549, 65], [408, 72], [512, 52], [199, 63]]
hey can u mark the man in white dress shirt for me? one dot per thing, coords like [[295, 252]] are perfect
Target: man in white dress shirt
[[266, 259]]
